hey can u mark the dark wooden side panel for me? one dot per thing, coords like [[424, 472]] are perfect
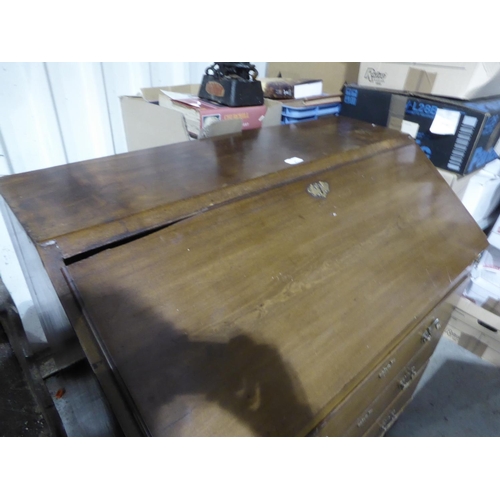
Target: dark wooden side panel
[[56, 326]]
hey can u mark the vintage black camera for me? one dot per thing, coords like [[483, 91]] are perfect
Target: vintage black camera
[[232, 84]]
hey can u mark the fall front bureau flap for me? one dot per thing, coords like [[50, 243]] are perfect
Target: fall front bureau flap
[[257, 316], [64, 214]]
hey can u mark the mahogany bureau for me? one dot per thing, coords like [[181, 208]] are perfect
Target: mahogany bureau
[[218, 290]]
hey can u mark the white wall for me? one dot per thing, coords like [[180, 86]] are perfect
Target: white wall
[[56, 113]]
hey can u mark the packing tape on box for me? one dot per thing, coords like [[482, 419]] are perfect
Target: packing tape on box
[[418, 80], [397, 110]]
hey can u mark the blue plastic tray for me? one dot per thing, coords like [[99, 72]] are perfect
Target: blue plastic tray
[[295, 115], [311, 111]]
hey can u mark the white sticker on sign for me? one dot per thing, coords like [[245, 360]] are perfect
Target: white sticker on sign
[[445, 122], [410, 128], [294, 160]]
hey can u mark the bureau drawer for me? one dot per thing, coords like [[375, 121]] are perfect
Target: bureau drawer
[[423, 338], [405, 382], [392, 412]]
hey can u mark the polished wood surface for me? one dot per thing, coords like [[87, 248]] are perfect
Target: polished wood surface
[[217, 290], [354, 415], [89, 204], [59, 214], [257, 317]]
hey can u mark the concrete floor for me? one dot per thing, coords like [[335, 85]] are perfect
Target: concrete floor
[[459, 395], [19, 413]]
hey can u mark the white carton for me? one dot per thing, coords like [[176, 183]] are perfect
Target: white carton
[[493, 167], [475, 329], [482, 194], [494, 236], [484, 288], [458, 183], [460, 80]]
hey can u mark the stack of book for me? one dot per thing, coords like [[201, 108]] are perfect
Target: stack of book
[[302, 99]]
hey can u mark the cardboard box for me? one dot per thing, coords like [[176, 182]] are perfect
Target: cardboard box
[[200, 115], [482, 195], [484, 287], [333, 74], [475, 329], [458, 183], [482, 294], [148, 125], [458, 136], [469, 80], [483, 199], [493, 167], [494, 236]]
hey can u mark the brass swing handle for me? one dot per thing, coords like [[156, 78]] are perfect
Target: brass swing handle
[[389, 420], [407, 379], [434, 326]]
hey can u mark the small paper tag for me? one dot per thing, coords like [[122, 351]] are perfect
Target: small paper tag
[[410, 128], [294, 160], [445, 122]]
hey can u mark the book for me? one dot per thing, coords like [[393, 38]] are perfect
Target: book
[[291, 88], [199, 114]]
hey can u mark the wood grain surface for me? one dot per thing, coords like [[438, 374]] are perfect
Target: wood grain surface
[[256, 317], [88, 204], [217, 290]]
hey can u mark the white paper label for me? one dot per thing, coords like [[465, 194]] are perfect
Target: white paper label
[[410, 128], [294, 160], [445, 122]]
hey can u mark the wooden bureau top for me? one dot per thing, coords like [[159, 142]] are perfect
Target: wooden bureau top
[[88, 204], [253, 296], [258, 316]]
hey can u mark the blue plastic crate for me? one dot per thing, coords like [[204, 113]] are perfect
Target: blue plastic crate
[[295, 115]]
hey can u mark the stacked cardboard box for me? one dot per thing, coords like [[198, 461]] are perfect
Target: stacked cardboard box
[[484, 289], [452, 110], [458, 136], [476, 329], [147, 124], [475, 322], [469, 80], [481, 196]]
